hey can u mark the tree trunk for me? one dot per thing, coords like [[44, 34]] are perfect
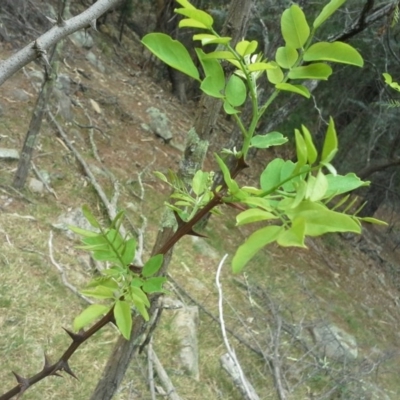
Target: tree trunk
[[195, 152]]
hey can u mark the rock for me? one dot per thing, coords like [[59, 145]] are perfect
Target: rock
[[204, 248], [91, 57], [185, 326], [63, 83], [45, 176], [335, 343], [19, 95], [159, 124], [73, 217], [37, 77], [64, 104], [171, 304], [9, 154], [35, 185], [82, 38]]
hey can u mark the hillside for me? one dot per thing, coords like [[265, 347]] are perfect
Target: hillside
[[277, 308]]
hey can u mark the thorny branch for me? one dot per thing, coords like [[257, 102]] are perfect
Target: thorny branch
[[184, 228]]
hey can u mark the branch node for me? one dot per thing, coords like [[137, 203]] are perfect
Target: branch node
[[76, 337], [64, 366], [23, 382]]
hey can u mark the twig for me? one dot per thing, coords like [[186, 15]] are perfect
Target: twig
[[62, 272], [245, 387], [46, 185], [150, 370], [164, 378], [213, 317]]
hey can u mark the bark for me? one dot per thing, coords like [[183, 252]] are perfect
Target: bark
[[46, 41], [35, 125]]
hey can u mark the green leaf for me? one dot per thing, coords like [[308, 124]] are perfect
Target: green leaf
[[109, 256], [213, 86], [261, 66], [171, 52], [129, 251], [260, 202], [105, 281], [152, 266], [191, 23], [82, 232], [294, 236], [90, 217], [207, 38], [275, 75], [268, 140], [301, 148], [330, 146], [142, 310], [235, 91], [138, 296], [199, 182], [327, 11], [206, 20], [244, 47], [99, 292], [231, 183], [186, 4], [160, 176], [88, 315], [373, 221], [320, 71], [286, 56], [271, 176], [319, 219], [299, 89], [229, 109], [312, 153], [225, 55], [337, 52], [295, 30], [212, 69], [253, 245], [289, 175], [253, 215], [339, 184], [389, 81], [316, 187], [154, 285], [116, 240], [123, 318]]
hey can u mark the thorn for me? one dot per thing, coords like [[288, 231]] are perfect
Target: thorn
[[52, 20], [65, 367], [193, 233], [93, 24], [179, 220], [23, 382], [76, 337], [47, 362]]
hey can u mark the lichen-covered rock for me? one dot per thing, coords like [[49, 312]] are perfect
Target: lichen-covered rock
[[159, 123], [335, 343]]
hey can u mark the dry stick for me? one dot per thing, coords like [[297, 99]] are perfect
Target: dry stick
[[62, 272], [164, 378], [46, 185], [245, 386], [150, 370], [213, 317]]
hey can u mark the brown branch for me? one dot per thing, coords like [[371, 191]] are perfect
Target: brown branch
[[81, 337], [377, 167], [364, 20]]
